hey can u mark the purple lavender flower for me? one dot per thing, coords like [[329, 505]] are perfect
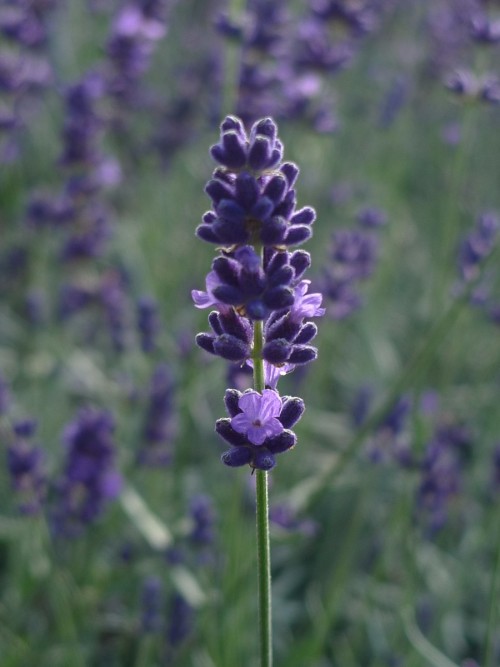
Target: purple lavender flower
[[258, 419], [151, 604], [181, 621], [114, 303], [130, 46], [90, 479], [159, 426], [259, 427], [441, 474], [82, 123], [25, 463], [148, 322], [255, 278], [389, 441], [477, 246], [203, 517], [353, 256]]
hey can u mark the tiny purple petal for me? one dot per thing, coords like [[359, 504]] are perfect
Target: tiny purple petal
[[250, 404], [206, 299], [259, 417], [306, 305]]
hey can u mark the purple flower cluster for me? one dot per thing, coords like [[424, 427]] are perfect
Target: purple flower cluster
[[353, 257], [457, 28], [159, 425], [25, 463], [90, 478], [441, 474], [25, 69], [258, 427], [477, 246], [257, 278], [473, 253], [286, 58]]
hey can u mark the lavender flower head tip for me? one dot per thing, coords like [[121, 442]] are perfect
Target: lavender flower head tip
[[259, 417]]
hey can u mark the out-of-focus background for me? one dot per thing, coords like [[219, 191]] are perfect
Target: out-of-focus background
[[124, 542]]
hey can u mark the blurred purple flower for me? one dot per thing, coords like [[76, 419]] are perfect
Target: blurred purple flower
[[25, 463], [89, 479], [158, 430]]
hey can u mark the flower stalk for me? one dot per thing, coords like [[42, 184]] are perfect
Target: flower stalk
[[260, 303], [262, 515]]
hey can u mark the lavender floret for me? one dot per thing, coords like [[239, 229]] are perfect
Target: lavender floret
[[90, 479]]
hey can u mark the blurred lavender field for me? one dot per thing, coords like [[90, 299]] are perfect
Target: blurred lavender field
[[124, 542]]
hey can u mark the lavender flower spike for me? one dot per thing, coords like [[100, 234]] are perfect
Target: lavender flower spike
[[259, 417], [259, 298]]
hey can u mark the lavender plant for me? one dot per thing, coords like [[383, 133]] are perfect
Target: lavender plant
[[261, 302]]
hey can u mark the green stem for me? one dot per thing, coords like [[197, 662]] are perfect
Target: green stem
[[263, 542]]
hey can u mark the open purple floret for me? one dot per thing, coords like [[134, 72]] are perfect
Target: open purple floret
[[258, 427]]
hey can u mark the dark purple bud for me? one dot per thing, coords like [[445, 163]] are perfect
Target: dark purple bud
[[306, 334], [237, 457], [248, 258], [230, 211], [282, 442], [217, 190], [277, 351], [277, 155], [229, 232], [206, 342], [284, 327], [287, 206], [231, 398], [230, 348], [263, 459], [227, 270], [214, 321], [231, 151], [225, 430], [252, 284], [232, 296], [278, 298], [292, 411], [298, 234], [237, 326], [263, 209], [282, 276], [260, 153], [303, 354], [305, 216], [246, 190], [291, 172], [274, 231], [266, 127], [233, 123], [206, 233], [276, 188], [300, 260], [275, 260]]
